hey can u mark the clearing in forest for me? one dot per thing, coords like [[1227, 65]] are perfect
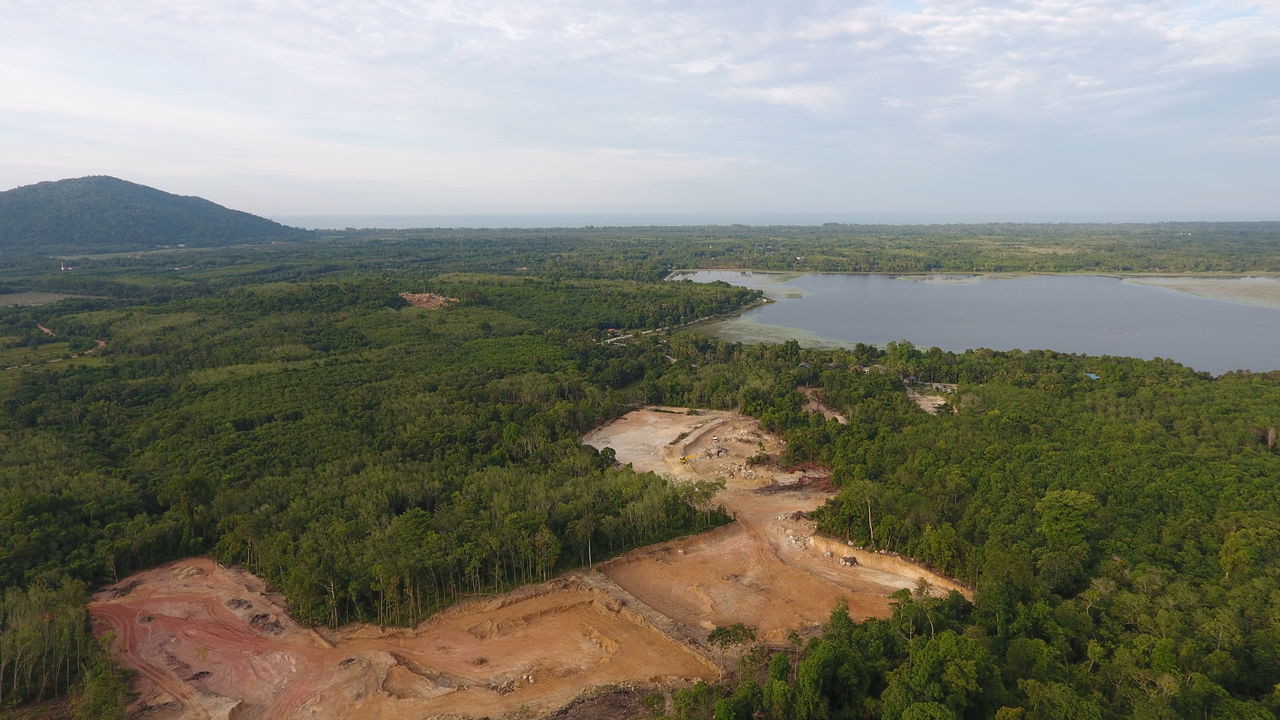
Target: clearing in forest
[[213, 643], [933, 397], [768, 569], [427, 301], [815, 403], [210, 642]]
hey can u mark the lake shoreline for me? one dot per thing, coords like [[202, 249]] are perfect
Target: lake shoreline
[[1212, 322], [1196, 284]]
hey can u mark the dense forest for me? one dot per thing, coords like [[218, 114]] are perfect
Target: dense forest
[[283, 408], [1121, 532], [373, 460], [105, 214]]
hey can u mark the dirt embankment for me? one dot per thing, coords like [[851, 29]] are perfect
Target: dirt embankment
[[210, 642], [891, 563]]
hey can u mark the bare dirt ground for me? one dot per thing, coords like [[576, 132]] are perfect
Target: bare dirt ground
[[933, 397], [767, 569], [211, 642], [428, 301]]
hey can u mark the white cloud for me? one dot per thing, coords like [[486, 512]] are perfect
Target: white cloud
[[809, 97], [562, 100]]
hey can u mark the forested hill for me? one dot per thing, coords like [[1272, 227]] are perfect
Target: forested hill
[[105, 214]]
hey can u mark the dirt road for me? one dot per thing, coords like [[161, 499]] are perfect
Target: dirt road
[[767, 569], [815, 403]]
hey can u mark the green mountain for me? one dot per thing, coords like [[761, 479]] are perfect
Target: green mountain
[[105, 214]]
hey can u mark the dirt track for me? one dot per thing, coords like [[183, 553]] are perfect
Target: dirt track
[[98, 345], [767, 569], [815, 403]]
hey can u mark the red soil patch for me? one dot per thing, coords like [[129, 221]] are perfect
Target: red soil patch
[[210, 642]]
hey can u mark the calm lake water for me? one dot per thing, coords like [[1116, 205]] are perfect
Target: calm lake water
[[1069, 313]]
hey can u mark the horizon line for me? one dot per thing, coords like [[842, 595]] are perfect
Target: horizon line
[[625, 219]]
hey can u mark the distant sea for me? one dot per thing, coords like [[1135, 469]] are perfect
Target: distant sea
[[640, 219]]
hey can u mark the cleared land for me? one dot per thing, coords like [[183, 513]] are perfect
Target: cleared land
[[212, 642], [427, 301], [767, 569], [209, 642], [814, 403], [930, 397]]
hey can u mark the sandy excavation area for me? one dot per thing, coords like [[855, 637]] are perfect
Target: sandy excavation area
[[211, 642], [768, 569]]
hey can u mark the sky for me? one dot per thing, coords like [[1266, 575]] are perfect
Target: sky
[[947, 109]]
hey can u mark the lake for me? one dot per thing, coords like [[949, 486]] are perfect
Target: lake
[[1210, 324]]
